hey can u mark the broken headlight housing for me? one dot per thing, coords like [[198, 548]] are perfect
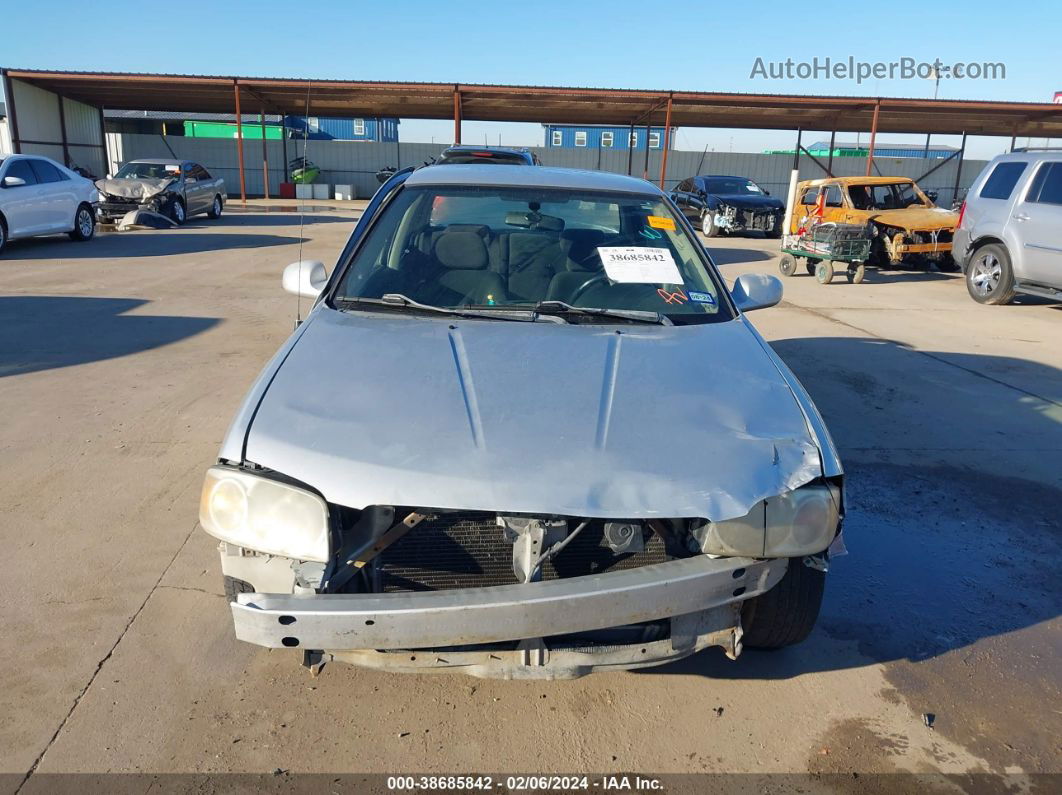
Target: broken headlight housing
[[800, 522], [264, 515]]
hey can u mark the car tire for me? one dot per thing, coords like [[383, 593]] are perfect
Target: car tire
[[176, 211], [215, 208], [708, 227], [989, 277], [787, 613], [824, 271], [3, 235], [234, 587], [84, 224], [787, 265]]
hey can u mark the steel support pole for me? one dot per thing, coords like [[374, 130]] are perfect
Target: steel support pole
[[239, 142], [62, 131], [9, 95], [829, 162], [667, 140], [958, 170], [873, 135], [457, 116], [645, 171], [265, 158], [630, 149], [284, 143]]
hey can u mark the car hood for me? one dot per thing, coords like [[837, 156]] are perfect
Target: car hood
[[133, 188], [749, 201], [920, 218], [541, 418]]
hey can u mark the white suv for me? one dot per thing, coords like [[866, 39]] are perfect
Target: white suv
[[40, 197], [1009, 236]]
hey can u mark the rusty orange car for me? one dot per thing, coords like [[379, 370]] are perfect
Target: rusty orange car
[[905, 224]]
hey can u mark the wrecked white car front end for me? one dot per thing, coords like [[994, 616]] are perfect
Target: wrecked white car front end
[[433, 476], [132, 202]]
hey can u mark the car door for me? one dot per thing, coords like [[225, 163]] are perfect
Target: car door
[[680, 195], [195, 187], [805, 207], [834, 209], [21, 204], [1036, 223], [58, 200]]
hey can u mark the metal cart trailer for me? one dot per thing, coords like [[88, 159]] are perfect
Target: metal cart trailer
[[823, 245]]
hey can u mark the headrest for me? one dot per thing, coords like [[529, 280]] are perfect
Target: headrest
[[580, 246], [461, 250]]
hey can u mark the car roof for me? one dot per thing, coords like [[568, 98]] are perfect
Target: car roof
[[721, 176], [473, 148], [856, 180], [474, 174], [162, 161]]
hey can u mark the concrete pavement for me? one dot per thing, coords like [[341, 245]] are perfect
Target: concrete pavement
[[122, 361]]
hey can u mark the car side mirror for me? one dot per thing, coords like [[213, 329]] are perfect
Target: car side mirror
[[766, 192], [306, 278], [13, 182], [932, 195], [756, 291]]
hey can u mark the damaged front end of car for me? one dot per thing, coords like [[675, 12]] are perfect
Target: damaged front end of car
[[496, 594], [136, 203], [730, 218]]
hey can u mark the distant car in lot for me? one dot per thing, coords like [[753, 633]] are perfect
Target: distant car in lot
[[526, 431], [903, 222], [175, 188], [729, 204], [40, 197], [463, 153], [1009, 237]]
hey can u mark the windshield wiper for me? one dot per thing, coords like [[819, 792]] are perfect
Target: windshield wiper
[[399, 301], [634, 315]]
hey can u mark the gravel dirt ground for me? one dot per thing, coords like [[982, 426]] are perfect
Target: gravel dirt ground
[[122, 361]]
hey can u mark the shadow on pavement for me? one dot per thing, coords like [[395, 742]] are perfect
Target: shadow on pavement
[[733, 256], [47, 332], [949, 545], [252, 217], [146, 243]]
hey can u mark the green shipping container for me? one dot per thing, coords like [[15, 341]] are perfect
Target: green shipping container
[[213, 129]]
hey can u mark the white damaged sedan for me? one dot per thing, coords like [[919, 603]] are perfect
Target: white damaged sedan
[[525, 431]]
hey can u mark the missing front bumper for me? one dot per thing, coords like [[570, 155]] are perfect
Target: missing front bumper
[[349, 624]]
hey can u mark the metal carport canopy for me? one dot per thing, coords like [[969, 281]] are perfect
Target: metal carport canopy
[[554, 104]]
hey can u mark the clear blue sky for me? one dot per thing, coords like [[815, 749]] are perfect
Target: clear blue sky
[[691, 46]]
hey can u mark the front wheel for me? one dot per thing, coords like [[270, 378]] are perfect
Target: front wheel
[[708, 227], [176, 212], [824, 271], [989, 278], [215, 208], [84, 224], [787, 265], [787, 613]]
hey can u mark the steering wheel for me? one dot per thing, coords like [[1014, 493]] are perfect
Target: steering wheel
[[582, 288]]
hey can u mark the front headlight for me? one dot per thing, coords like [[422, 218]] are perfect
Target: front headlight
[[264, 515], [797, 523]]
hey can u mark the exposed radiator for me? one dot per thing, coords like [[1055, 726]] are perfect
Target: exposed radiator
[[468, 550]]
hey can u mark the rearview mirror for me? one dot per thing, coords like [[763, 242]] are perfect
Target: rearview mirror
[[756, 291], [306, 278], [13, 182]]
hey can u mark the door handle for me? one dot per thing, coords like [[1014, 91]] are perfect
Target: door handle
[[1021, 216]]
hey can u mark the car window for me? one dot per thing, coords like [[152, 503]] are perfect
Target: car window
[[686, 185], [1047, 184], [456, 246], [45, 171], [21, 168], [1002, 180], [732, 185], [810, 196], [149, 171], [833, 196], [202, 172]]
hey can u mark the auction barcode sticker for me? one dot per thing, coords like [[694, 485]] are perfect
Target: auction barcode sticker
[[639, 265]]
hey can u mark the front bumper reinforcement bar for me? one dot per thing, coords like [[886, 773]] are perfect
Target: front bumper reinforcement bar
[[500, 613]]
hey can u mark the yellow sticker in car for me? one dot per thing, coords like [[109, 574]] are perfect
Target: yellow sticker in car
[[659, 222]]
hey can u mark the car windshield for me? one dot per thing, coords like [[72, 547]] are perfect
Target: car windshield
[[731, 185], [890, 196], [148, 171], [483, 156], [511, 248]]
